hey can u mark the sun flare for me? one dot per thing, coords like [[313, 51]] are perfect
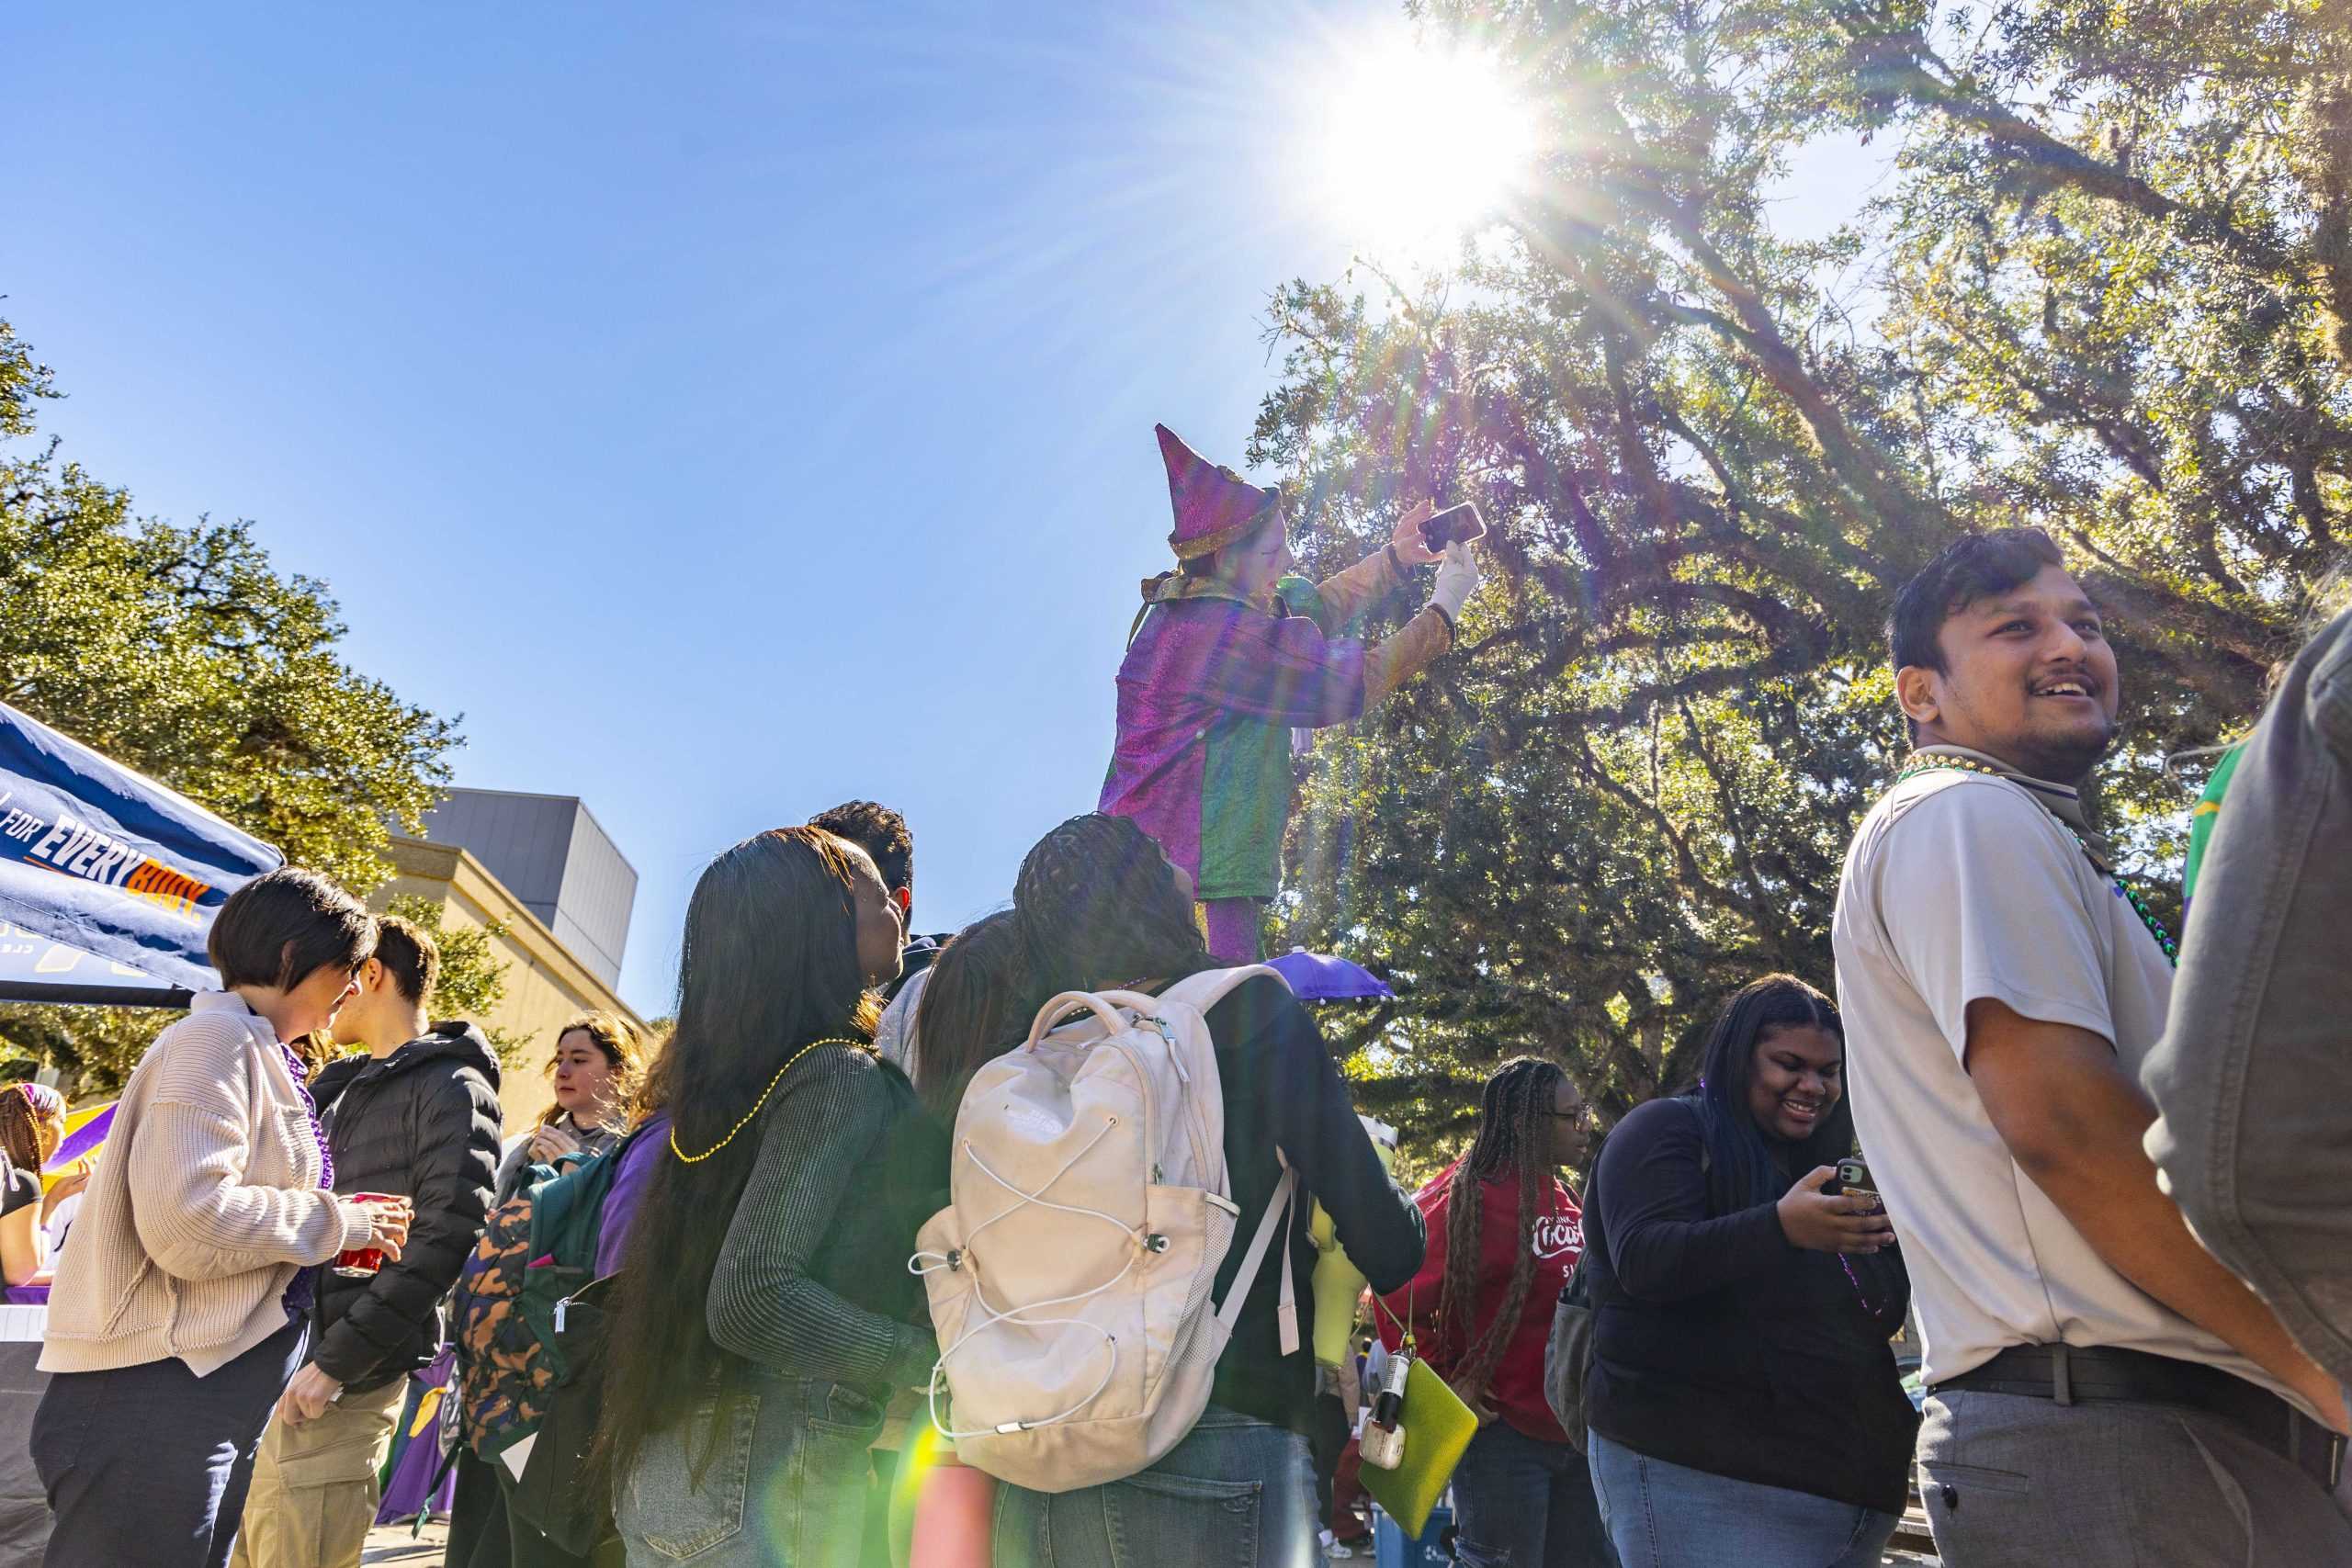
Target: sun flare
[[1418, 144]]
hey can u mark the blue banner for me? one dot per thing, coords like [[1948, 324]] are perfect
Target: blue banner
[[35, 969], [97, 858]]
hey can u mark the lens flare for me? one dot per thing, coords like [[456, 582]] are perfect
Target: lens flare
[[1420, 145]]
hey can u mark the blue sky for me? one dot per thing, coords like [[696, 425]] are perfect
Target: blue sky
[[728, 408]]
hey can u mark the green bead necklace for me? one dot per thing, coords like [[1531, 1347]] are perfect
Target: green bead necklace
[[2123, 889]]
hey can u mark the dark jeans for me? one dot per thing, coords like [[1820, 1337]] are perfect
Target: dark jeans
[[484, 1534], [1521, 1503], [149, 1464], [477, 1518]]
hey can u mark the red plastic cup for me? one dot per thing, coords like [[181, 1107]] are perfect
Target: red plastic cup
[[359, 1262]]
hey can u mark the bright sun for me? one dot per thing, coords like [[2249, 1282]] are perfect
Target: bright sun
[[1417, 144]]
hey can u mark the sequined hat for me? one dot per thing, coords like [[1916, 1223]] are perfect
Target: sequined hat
[[1214, 506]]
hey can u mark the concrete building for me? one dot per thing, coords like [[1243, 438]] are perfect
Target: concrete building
[[550, 851], [548, 980]]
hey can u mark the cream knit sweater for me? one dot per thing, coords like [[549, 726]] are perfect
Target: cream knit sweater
[[204, 1204]]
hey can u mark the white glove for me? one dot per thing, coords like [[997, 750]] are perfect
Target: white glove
[[1457, 579]]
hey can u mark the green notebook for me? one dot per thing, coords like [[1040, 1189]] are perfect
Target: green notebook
[[1438, 1426]]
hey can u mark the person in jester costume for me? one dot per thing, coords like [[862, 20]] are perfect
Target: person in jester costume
[[1229, 653]]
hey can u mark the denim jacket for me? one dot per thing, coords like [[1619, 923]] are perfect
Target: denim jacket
[[2253, 1079]]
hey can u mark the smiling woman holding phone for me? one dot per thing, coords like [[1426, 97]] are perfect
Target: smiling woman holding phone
[[1744, 1401], [182, 1306]]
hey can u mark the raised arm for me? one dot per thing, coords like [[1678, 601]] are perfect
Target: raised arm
[[1413, 647], [1343, 595]]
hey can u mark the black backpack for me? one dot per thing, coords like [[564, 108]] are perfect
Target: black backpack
[[1567, 1356]]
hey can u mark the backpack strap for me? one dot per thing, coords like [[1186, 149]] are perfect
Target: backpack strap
[[1202, 992], [1210, 986], [1272, 1224], [1056, 1008]]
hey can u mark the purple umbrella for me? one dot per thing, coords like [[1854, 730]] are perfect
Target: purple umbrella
[[1319, 977]]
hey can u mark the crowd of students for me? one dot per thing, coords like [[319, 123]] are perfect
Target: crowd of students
[[2044, 1121]]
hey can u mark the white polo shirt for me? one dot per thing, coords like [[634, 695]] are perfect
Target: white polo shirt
[[1957, 886]]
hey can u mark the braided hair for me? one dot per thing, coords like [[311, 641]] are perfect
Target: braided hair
[[1514, 1136], [1097, 904], [32, 1124]]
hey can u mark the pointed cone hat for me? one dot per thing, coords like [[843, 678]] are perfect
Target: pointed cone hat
[[1214, 506]]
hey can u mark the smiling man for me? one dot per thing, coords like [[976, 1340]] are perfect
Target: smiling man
[[2099, 1389]]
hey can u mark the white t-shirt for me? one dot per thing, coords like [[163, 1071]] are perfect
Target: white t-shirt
[[1958, 886], [894, 1036]]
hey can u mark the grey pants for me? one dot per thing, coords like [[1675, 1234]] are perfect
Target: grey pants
[[2016, 1483]]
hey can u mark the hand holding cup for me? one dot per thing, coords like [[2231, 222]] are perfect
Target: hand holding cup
[[388, 1221]]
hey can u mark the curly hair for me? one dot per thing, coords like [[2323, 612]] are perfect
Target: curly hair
[[1514, 1136], [624, 1049], [882, 833]]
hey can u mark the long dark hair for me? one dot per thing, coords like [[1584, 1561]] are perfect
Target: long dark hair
[[975, 1006], [1514, 1135], [1747, 1167], [768, 965]]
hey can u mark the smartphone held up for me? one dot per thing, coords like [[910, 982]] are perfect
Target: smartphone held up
[[1459, 524]]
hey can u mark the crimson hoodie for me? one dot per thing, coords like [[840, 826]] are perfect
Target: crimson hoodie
[[1516, 1389]]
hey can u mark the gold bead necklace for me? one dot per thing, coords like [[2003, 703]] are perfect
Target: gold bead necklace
[[746, 1121]]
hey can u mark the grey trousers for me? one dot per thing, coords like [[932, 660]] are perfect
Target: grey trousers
[[2016, 1483]]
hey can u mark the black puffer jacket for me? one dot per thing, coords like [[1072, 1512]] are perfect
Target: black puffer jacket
[[423, 1122]]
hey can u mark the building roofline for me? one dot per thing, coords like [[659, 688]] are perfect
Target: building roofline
[[586, 810], [468, 878]]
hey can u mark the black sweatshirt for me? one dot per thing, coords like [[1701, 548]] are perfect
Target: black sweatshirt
[[1282, 1091], [1720, 1347], [422, 1122]]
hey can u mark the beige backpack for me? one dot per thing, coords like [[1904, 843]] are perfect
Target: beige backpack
[[1089, 1213]]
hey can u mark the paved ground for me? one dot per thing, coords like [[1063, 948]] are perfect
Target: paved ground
[[395, 1544]]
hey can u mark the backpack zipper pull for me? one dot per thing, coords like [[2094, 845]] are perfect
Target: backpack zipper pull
[[561, 1306]]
